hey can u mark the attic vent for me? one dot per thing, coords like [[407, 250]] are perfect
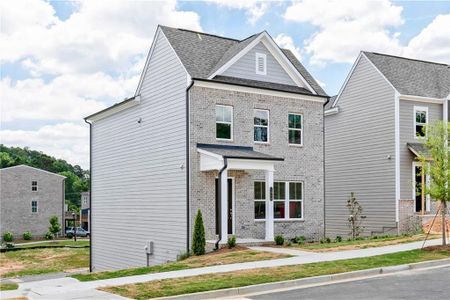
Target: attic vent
[[261, 64]]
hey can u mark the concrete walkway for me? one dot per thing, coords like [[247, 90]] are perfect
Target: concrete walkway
[[70, 288]]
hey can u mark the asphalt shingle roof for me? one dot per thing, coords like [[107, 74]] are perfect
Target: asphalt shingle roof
[[413, 77], [237, 152], [202, 54]]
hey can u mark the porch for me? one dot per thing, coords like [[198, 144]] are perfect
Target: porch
[[225, 158]]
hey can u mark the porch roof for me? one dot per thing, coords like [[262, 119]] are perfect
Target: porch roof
[[237, 152], [419, 150]]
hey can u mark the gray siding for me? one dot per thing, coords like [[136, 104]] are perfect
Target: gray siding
[[16, 196], [358, 141], [407, 135], [245, 67], [138, 186]]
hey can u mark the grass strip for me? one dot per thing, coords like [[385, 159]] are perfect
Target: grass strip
[[194, 284], [8, 286], [222, 257]]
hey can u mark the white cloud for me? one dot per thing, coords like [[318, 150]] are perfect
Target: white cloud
[[254, 9], [346, 27], [285, 41], [433, 42], [68, 141]]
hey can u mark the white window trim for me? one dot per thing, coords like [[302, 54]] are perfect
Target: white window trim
[[416, 109], [262, 126], [257, 57], [296, 129], [427, 183], [37, 188], [223, 122], [37, 207], [286, 202], [259, 200]]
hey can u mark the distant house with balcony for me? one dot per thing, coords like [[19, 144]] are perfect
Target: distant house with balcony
[[85, 210]]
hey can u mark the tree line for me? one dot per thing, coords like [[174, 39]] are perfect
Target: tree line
[[77, 179]]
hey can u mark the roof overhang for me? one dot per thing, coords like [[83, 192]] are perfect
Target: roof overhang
[[114, 109], [419, 150], [422, 99], [331, 111], [212, 157], [257, 90], [280, 57]]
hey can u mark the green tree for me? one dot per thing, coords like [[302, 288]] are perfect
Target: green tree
[[55, 227], [6, 160], [436, 165], [198, 238], [355, 216]]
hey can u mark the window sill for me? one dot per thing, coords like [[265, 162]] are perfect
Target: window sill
[[296, 145], [262, 143], [224, 140], [281, 220]]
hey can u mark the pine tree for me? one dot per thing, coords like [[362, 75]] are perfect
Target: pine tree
[[198, 239]]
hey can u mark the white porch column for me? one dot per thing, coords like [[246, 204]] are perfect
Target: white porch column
[[224, 205], [269, 206]]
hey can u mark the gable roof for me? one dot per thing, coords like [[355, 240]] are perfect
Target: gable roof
[[413, 77], [203, 54], [33, 168]]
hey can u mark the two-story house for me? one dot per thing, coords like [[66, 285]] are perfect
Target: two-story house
[[85, 210], [233, 128], [28, 198], [373, 129]]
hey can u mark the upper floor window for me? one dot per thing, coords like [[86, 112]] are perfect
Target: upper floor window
[[34, 186], [261, 126], [260, 62], [224, 122], [420, 120], [34, 206], [295, 124]]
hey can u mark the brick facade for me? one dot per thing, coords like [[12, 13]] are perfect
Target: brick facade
[[301, 163]]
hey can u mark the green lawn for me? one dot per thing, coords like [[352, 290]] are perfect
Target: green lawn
[[363, 243], [6, 286], [224, 256], [41, 261], [56, 243], [187, 285]]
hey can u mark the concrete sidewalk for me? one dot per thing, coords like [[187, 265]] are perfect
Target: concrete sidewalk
[[70, 288]]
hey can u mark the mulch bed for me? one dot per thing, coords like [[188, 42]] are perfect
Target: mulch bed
[[438, 248]]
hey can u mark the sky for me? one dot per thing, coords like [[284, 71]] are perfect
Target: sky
[[64, 60]]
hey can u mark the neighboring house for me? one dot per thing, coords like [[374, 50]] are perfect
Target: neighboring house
[[233, 128], [28, 198], [85, 210], [372, 139]]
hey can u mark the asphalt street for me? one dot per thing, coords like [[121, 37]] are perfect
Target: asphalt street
[[413, 284]]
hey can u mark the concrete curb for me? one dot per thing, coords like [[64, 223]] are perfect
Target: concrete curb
[[297, 283]]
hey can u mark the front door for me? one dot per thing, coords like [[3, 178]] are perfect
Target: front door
[[230, 206], [419, 182]]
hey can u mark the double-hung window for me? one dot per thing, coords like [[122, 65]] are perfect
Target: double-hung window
[[34, 206], [34, 186], [261, 126], [224, 122], [287, 200], [295, 128], [420, 121], [260, 199]]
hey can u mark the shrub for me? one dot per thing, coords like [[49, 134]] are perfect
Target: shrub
[[338, 239], [279, 240], [55, 227], [198, 238], [27, 236], [49, 236], [289, 243], [9, 245], [231, 242], [327, 240], [8, 237], [300, 239], [183, 255]]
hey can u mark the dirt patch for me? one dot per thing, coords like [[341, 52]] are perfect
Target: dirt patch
[[10, 266], [438, 248], [227, 250], [437, 225]]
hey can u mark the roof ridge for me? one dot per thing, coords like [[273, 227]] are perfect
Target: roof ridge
[[203, 33], [408, 58]]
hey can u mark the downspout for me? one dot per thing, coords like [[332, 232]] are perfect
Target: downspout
[[90, 194], [219, 195], [323, 154], [188, 217]]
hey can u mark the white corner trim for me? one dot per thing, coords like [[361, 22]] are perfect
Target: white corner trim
[[331, 111], [397, 155], [115, 109], [277, 54], [422, 99], [255, 90]]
